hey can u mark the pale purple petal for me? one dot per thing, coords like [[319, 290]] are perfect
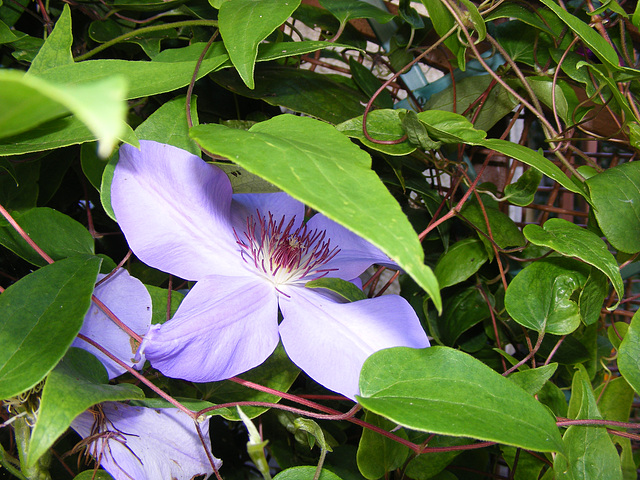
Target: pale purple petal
[[223, 327], [330, 341], [148, 443], [279, 204], [356, 254], [129, 300], [174, 211]]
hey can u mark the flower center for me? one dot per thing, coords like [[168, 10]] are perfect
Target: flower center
[[282, 254]]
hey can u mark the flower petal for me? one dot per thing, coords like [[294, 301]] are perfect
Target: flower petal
[[223, 327], [148, 443], [356, 254], [174, 211], [330, 341], [129, 300]]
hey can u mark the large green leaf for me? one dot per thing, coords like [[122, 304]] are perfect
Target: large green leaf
[[245, 23], [57, 234], [78, 382], [629, 354], [615, 195], [590, 453], [319, 166], [56, 49], [542, 296], [573, 241], [37, 330], [29, 101], [168, 71], [442, 390]]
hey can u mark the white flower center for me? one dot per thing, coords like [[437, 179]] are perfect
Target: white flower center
[[283, 255]]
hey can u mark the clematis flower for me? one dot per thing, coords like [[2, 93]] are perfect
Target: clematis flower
[[250, 255], [130, 301], [138, 443]]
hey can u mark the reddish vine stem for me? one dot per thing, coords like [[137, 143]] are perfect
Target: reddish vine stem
[[115, 270], [140, 377]]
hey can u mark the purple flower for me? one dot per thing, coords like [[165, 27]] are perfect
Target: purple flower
[[130, 301], [250, 254], [137, 443]]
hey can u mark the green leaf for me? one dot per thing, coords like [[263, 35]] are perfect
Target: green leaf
[[93, 475], [615, 399], [573, 241], [588, 35], [442, 390], [416, 131], [378, 455], [497, 104], [105, 186], [305, 473], [159, 301], [56, 134], [322, 168], [346, 290], [534, 159], [345, 10], [451, 127], [542, 296], [319, 95], [243, 181], [533, 379], [56, 50], [168, 124], [615, 195], [461, 312], [29, 101], [476, 19], [503, 230], [78, 382], [629, 354], [462, 260], [590, 453], [369, 83], [523, 191], [443, 21], [513, 10], [428, 465], [245, 23], [383, 124], [277, 372], [57, 234], [36, 331], [170, 70], [545, 89], [104, 30]]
